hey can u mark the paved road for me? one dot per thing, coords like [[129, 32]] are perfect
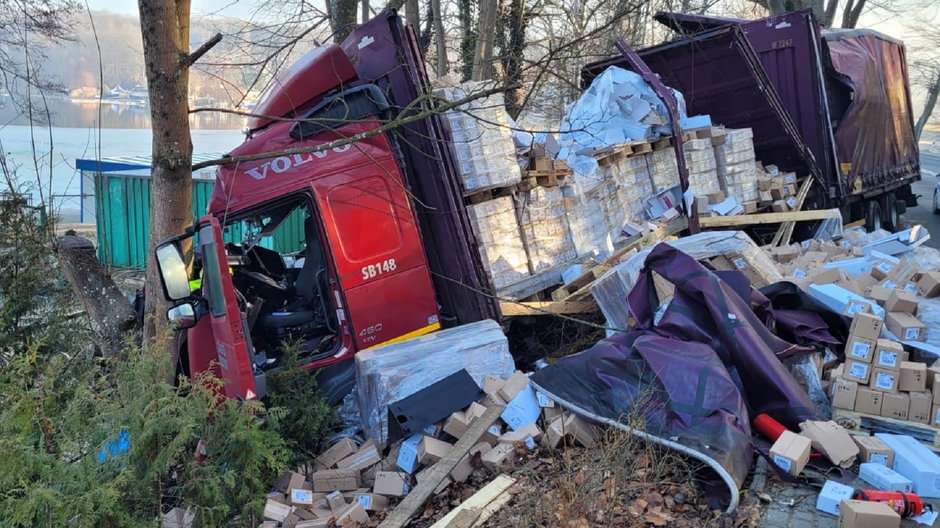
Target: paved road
[[923, 214]]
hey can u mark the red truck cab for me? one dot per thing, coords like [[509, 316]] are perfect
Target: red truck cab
[[359, 276]]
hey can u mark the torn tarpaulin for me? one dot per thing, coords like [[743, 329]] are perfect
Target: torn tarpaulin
[[695, 377]]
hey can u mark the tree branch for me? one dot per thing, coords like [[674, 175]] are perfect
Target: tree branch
[[202, 50]]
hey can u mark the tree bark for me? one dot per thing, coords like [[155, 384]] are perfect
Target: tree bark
[[112, 317], [932, 92], [366, 13], [467, 38], [851, 15], [514, 57], [342, 18], [829, 14], [486, 34], [164, 26], [440, 37], [412, 14]]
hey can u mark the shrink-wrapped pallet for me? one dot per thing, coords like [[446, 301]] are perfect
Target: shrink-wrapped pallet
[[587, 220], [663, 169], [386, 374], [482, 140], [501, 247], [736, 167], [701, 166], [544, 227]]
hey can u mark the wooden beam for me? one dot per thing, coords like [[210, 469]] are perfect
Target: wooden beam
[[769, 218], [400, 516], [783, 234], [490, 493], [512, 309]]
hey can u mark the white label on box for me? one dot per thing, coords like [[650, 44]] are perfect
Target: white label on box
[[430, 430], [799, 273], [879, 458], [885, 267], [858, 370], [884, 381], [890, 284], [888, 359], [530, 443], [860, 350], [910, 287], [791, 201], [301, 496], [740, 263], [854, 308], [783, 463], [544, 401], [805, 243], [366, 501], [846, 244], [912, 333]]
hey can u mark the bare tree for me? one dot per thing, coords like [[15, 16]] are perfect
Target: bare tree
[[342, 18], [440, 37]]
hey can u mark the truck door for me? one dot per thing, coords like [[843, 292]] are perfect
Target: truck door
[[378, 254], [231, 349]]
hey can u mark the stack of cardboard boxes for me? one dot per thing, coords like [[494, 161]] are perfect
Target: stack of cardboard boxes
[[878, 379], [501, 246], [350, 482], [776, 189], [544, 227], [736, 169], [702, 167]]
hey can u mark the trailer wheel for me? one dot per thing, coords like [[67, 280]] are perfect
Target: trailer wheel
[[873, 216], [892, 213], [936, 202]]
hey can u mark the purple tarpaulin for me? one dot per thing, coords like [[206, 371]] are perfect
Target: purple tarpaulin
[[696, 377]]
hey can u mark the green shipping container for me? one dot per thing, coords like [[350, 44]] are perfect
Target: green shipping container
[[122, 204]]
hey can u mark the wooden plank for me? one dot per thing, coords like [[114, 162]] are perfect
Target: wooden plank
[[413, 502], [533, 284], [858, 421], [768, 218], [512, 309], [478, 500], [494, 506]]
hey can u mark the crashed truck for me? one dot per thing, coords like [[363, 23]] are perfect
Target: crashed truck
[[833, 104]]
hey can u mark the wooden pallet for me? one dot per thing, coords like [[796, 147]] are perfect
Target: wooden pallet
[[696, 133], [662, 144], [615, 153], [488, 194], [863, 424], [532, 179]]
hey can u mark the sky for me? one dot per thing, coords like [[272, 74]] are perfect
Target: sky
[[232, 8]]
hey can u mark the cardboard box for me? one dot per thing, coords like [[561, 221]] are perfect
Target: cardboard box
[[843, 393], [866, 326], [884, 380], [832, 440], [492, 384], [512, 386], [523, 409], [858, 371], [336, 501], [779, 206], [366, 457], [855, 306], [520, 435], [905, 326], [276, 511], [352, 515], [336, 452], [464, 468], [430, 450], [884, 478], [921, 407], [860, 349], [902, 302], [496, 457], [791, 452], [896, 405], [301, 496], [888, 354], [832, 495], [879, 294], [837, 371], [935, 415], [456, 425], [868, 401], [372, 501], [913, 460], [873, 449], [913, 377], [407, 459], [861, 514], [327, 480], [881, 269], [391, 483], [929, 284]]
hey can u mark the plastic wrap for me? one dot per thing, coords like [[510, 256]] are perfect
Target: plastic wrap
[[389, 373], [483, 141], [805, 369], [545, 227], [663, 169], [590, 230], [736, 166], [611, 289], [495, 225], [928, 311], [924, 259], [701, 164]]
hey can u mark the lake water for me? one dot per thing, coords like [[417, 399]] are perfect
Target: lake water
[[125, 131]]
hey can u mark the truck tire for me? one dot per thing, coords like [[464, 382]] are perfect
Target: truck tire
[[891, 211], [936, 202], [873, 218]]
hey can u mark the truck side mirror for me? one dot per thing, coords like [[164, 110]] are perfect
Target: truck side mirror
[[182, 316], [173, 272]]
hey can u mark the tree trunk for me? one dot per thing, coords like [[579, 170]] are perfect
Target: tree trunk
[[853, 15], [111, 315], [932, 92], [486, 34], [342, 18], [514, 56], [427, 32], [164, 25], [366, 13], [830, 13], [440, 37], [412, 14], [467, 38]]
